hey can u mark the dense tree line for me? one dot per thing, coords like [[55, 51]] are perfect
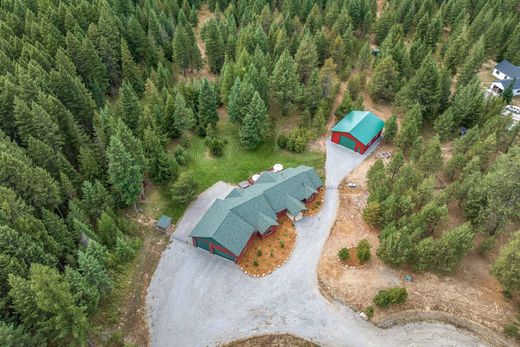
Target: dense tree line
[[92, 91]]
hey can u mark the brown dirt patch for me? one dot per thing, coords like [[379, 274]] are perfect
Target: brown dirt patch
[[271, 252], [315, 206], [470, 294], [383, 110], [272, 341]]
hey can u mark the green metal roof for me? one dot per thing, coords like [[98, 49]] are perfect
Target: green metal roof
[[231, 221], [294, 206], [363, 125], [164, 222]]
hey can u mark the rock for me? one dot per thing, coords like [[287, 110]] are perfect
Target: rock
[[363, 315]]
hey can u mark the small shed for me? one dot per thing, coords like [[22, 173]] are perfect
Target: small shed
[[376, 51], [358, 130], [164, 224]]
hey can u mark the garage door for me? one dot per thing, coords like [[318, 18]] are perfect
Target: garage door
[[345, 141], [203, 245], [223, 255]]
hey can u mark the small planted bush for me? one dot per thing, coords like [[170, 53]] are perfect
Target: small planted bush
[[369, 311], [343, 254], [282, 244], [259, 253], [391, 296], [255, 263], [363, 251]]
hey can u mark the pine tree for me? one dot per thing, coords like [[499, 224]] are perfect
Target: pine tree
[[255, 123], [396, 248], [214, 46], [160, 166], [409, 129], [181, 49], [472, 64], [129, 107], [507, 94], [345, 107], [385, 80], [338, 51], [306, 58], [130, 70], [422, 89], [507, 267], [124, 171], [207, 105], [46, 305], [313, 92], [456, 51], [431, 158], [284, 83], [364, 57], [391, 129], [444, 125]]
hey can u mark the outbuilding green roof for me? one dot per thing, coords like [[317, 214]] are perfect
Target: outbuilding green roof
[[363, 125], [232, 221]]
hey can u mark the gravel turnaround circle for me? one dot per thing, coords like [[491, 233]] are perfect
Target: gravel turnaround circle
[[198, 299]]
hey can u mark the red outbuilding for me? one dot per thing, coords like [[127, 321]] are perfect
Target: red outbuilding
[[358, 130]]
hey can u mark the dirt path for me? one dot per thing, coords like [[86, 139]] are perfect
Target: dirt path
[[469, 297]]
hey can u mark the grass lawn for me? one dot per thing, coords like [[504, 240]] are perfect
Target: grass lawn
[[235, 165]]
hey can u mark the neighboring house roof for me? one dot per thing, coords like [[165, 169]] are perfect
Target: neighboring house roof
[[363, 125], [164, 222], [508, 69], [231, 221], [506, 83]]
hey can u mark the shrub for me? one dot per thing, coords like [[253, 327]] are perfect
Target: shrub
[[486, 245], [281, 141], [282, 244], [369, 311], [180, 155], [391, 296], [382, 299], [363, 251], [215, 145], [372, 214], [255, 263], [343, 254], [184, 189], [511, 330], [398, 295], [259, 253], [297, 140]]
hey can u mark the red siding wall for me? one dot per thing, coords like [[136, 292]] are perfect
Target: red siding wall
[[361, 148]]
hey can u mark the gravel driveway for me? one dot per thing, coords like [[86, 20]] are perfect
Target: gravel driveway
[[197, 299]]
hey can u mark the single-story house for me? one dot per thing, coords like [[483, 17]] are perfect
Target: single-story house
[[506, 71], [358, 130], [230, 224], [497, 87], [163, 224]]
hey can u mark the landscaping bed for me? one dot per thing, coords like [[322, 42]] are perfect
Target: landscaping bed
[[263, 256], [315, 206]]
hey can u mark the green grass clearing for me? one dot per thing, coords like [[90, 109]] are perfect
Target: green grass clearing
[[235, 165]]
